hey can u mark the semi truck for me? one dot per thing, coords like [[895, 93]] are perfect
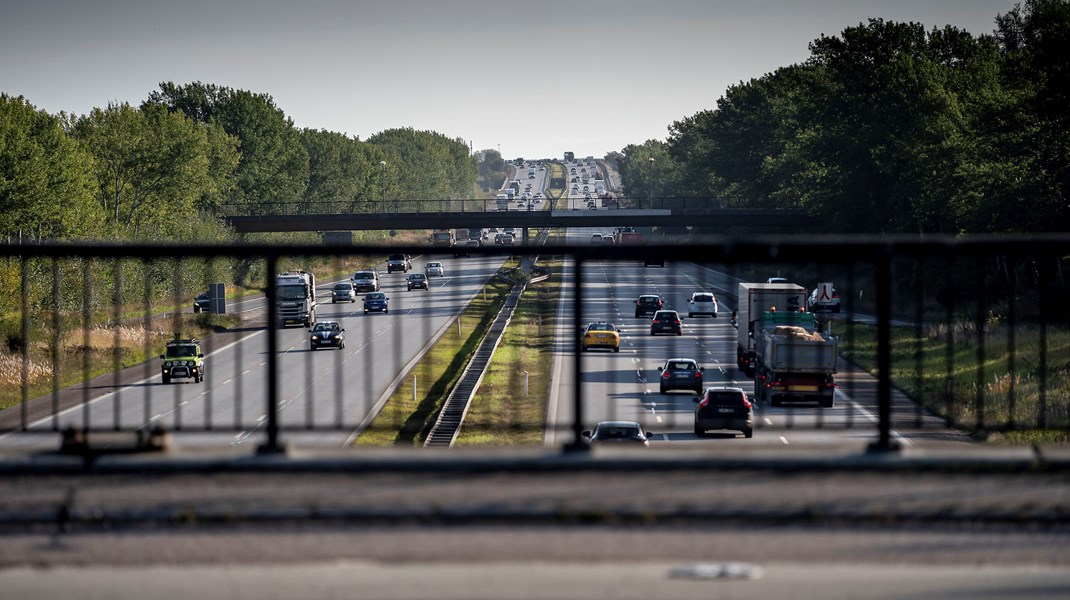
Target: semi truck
[[443, 238], [502, 201], [295, 298], [794, 361], [755, 299]]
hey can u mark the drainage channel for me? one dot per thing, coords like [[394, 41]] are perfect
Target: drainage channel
[[456, 406]]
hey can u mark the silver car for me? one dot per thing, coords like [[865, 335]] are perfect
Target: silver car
[[343, 292]]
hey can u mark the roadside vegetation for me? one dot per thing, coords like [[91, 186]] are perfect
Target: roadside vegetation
[[940, 370], [501, 413]]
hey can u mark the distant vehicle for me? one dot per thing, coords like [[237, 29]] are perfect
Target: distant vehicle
[[343, 292], [507, 239], [327, 333], [434, 269], [647, 304], [596, 238], [398, 262], [724, 408], [793, 361], [183, 359], [376, 302], [608, 240], [666, 321], [295, 298], [753, 300], [570, 156], [600, 334], [417, 281], [817, 302], [680, 374], [201, 303], [618, 432], [366, 281], [442, 238], [702, 303]]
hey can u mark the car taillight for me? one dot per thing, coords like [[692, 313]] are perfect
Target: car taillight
[[704, 402], [656, 321], [698, 374], [664, 374], [746, 402], [677, 321]]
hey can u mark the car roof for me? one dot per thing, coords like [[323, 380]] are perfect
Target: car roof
[[672, 360], [619, 424]]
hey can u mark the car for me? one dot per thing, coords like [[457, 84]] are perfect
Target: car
[[724, 408], [183, 359], [666, 321], [343, 292], [327, 333], [366, 281], [592, 207], [601, 334], [586, 188], [201, 303], [702, 303], [819, 302], [777, 280], [596, 238], [507, 239], [434, 269], [680, 374], [376, 302], [647, 304], [473, 243], [608, 240], [417, 281], [498, 238], [398, 262], [618, 432]]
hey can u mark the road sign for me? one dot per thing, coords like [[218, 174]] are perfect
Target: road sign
[[824, 291]]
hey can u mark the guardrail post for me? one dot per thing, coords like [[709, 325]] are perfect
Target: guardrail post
[[272, 446], [578, 444], [884, 441]]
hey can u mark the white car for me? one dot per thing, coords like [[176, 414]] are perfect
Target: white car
[[702, 303], [434, 269], [596, 238]]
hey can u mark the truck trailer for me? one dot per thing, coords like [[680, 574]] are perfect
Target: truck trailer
[[794, 361], [755, 299]]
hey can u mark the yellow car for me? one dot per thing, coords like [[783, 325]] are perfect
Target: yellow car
[[601, 334]]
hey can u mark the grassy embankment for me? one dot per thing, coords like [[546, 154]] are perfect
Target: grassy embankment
[[920, 369]]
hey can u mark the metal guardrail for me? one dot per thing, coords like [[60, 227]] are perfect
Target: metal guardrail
[[986, 306]]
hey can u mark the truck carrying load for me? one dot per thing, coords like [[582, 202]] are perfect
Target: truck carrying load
[[755, 299], [442, 238], [793, 360], [295, 298]]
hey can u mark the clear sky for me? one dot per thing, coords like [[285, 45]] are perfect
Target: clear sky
[[531, 78]]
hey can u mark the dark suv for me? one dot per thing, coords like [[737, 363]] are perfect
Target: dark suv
[[680, 374], [647, 304], [398, 262], [724, 408], [666, 321]]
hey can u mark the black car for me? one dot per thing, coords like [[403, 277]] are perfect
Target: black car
[[680, 374], [617, 432], [201, 304], [647, 304], [327, 334], [724, 408], [417, 281], [666, 321]]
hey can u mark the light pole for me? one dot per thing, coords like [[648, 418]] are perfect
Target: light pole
[[382, 188], [650, 198]]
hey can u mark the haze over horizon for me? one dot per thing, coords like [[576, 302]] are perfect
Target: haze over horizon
[[590, 76]]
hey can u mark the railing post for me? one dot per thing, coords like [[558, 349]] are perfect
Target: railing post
[[884, 441], [578, 444], [271, 445]]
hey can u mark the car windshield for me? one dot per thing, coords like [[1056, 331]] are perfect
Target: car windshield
[[396, 257], [703, 297], [343, 287], [364, 275], [617, 432], [182, 350], [434, 265], [325, 327], [416, 277], [375, 296], [292, 292]]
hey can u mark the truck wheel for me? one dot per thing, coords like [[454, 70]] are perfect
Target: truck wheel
[[748, 433], [828, 402], [699, 432]]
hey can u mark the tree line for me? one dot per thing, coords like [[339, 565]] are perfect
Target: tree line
[[889, 128], [166, 170]]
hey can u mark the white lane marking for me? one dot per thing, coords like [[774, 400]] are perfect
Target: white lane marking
[[872, 417], [247, 371], [768, 421], [784, 439], [659, 418]]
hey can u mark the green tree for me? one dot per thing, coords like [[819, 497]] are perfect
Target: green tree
[[46, 181]]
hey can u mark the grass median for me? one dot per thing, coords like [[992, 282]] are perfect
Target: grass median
[[405, 421], [949, 386], [501, 413]]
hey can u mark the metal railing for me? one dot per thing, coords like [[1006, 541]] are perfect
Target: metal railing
[[939, 338]]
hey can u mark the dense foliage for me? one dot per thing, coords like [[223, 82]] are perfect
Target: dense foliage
[[890, 128]]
